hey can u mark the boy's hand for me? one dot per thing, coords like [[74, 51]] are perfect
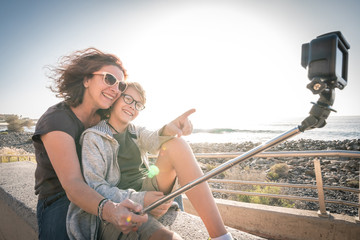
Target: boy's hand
[[123, 216], [181, 126], [153, 196]]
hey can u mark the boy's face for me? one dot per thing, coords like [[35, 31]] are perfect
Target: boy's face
[[126, 112]]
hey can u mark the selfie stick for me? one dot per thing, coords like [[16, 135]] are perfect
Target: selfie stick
[[323, 83], [223, 167], [230, 163]]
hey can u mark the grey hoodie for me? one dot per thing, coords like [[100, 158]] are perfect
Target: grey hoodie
[[102, 173]]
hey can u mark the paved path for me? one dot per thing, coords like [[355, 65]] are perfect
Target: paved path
[[17, 190]]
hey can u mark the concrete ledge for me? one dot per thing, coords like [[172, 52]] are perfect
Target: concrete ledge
[[284, 223], [191, 227], [18, 208], [18, 215], [17, 201]]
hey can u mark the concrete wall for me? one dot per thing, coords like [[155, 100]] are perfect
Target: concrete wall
[[17, 201], [18, 208], [13, 225], [284, 223], [18, 215]]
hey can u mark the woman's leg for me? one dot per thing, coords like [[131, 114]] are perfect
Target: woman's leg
[[177, 159], [51, 216]]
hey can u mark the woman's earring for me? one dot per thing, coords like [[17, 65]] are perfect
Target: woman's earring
[[86, 82]]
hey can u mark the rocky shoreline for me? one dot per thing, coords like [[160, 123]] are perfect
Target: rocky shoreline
[[20, 140], [342, 172]]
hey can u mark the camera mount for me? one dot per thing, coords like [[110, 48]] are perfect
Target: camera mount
[[327, 60]]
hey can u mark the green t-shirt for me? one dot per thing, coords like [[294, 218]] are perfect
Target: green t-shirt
[[129, 159]]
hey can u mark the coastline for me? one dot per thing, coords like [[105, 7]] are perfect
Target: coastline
[[343, 173], [335, 172], [22, 140]]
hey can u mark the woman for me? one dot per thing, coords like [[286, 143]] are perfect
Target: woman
[[88, 80], [113, 155]]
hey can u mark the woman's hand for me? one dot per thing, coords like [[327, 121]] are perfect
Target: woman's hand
[[153, 196], [181, 126], [123, 215]]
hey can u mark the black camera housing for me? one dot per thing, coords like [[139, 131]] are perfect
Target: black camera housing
[[326, 58]]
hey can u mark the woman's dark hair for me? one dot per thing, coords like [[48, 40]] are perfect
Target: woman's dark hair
[[75, 68]]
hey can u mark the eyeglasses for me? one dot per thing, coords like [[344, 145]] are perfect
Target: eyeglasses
[[129, 100], [111, 80]]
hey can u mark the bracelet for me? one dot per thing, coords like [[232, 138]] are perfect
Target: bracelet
[[100, 208]]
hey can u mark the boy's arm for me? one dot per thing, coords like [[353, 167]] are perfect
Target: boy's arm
[[95, 164], [180, 126], [151, 141]]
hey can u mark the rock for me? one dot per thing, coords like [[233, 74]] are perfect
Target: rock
[[333, 169], [310, 173], [352, 165], [335, 172], [21, 140]]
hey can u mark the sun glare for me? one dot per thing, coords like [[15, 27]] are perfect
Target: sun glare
[[226, 68]]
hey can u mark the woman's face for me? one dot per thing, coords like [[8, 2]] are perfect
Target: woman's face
[[98, 92], [124, 112]]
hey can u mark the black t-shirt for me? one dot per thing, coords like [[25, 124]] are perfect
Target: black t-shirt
[[129, 159], [57, 118]]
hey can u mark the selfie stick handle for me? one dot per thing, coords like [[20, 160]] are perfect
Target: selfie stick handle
[[223, 167]]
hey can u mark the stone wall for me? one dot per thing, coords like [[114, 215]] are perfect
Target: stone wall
[[18, 208]]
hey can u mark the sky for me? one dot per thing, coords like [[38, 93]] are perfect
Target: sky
[[236, 62]]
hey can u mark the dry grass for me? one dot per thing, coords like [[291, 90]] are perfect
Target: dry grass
[[16, 154], [277, 171], [245, 173]]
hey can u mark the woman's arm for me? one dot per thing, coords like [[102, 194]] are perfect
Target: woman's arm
[[61, 150]]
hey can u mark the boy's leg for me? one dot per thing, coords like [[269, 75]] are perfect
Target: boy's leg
[[177, 159], [146, 231], [154, 230], [165, 234]]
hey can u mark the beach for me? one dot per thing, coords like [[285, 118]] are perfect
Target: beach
[[336, 172], [342, 172]]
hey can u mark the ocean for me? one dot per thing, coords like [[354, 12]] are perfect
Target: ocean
[[337, 128]]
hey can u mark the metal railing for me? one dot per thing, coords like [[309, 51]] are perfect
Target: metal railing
[[319, 183], [286, 154]]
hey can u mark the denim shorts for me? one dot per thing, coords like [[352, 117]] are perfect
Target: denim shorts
[[51, 216], [109, 231], [150, 184]]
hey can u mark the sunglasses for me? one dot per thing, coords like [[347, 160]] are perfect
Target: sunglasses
[[111, 80], [129, 100]]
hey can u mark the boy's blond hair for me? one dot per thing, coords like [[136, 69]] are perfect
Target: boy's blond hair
[[105, 113], [139, 89]]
